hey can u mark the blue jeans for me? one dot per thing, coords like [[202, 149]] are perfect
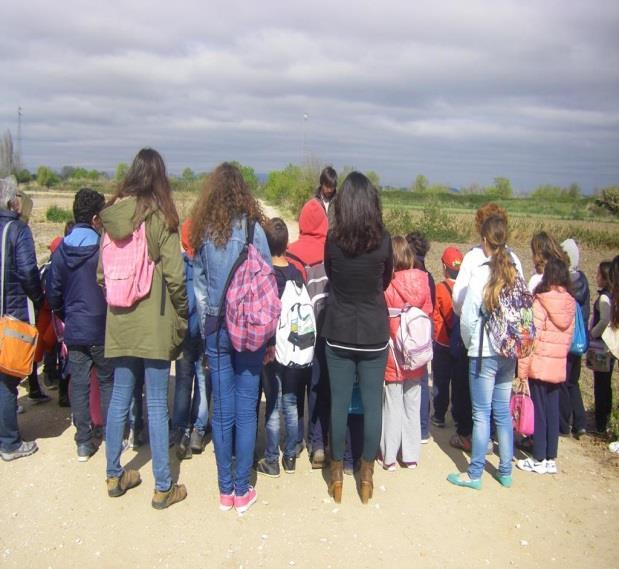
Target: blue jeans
[[235, 378], [156, 375], [281, 393], [190, 373], [491, 387], [9, 432]]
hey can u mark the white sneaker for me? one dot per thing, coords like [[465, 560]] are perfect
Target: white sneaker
[[551, 467], [531, 465]]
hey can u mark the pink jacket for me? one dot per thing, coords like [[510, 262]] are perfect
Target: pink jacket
[[407, 287], [553, 313]]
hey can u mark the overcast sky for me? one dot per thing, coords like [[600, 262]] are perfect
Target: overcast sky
[[461, 91]]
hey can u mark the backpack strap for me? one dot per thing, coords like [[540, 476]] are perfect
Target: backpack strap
[[249, 238], [5, 233]]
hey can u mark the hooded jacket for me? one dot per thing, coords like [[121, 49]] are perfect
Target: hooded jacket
[[72, 287], [407, 287], [21, 277], [553, 313], [313, 227], [155, 326]]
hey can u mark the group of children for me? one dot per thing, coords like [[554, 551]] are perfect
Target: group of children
[[77, 300]]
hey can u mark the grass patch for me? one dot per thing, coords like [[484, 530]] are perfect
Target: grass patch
[[57, 214]]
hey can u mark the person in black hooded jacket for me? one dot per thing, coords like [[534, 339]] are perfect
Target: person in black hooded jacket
[[73, 292]]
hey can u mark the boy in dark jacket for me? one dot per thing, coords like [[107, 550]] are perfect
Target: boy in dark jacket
[[72, 289]]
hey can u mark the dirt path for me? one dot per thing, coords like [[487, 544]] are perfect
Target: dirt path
[[56, 514]]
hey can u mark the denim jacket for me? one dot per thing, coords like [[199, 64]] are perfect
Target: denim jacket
[[212, 265]]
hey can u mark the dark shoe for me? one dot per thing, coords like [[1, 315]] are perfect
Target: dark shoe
[[63, 400], [318, 459], [135, 439], [289, 464], [580, 433], [50, 382], [198, 441], [437, 421], [85, 451], [24, 449], [367, 482], [163, 500], [183, 450], [271, 469], [461, 442], [39, 397], [118, 486], [337, 480]]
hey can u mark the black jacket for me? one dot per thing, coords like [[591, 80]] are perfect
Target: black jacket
[[72, 288], [580, 292], [356, 311], [21, 278]]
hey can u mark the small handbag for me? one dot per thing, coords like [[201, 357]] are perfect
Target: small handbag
[[18, 340], [598, 356], [522, 410]]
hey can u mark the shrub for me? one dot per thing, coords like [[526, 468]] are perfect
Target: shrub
[[608, 199], [57, 214]]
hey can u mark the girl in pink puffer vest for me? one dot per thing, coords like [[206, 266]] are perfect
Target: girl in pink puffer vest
[[554, 309]]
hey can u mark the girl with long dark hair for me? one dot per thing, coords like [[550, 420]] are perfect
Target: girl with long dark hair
[[358, 262]]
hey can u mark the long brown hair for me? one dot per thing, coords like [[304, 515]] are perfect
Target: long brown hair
[[225, 197], [545, 247], [502, 271], [147, 181], [402, 254]]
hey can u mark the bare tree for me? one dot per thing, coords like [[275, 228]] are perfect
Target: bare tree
[[8, 160]]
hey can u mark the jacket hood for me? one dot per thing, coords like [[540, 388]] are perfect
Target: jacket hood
[[406, 285], [560, 307], [75, 257], [313, 220], [117, 219], [571, 249]]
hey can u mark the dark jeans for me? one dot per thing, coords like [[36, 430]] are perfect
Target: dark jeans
[[33, 381], [424, 414], [461, 407], [571, 406], [319, 403], [9, 431], [545, 398], [82, 359], [344, 367], [603, 394]]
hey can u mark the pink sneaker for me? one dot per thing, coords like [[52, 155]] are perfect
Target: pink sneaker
[[244, 502], [226, 501]]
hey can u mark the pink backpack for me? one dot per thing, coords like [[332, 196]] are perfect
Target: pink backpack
[[412, 347], [252, 304], [127, 268]]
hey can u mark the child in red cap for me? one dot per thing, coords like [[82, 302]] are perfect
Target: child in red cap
[[450, 362]]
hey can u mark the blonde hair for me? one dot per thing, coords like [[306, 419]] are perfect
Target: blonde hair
[[402, 254], [502, 271]]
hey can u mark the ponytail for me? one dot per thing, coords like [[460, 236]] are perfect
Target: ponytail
[[502, 271]]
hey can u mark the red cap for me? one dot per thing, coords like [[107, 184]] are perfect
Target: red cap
[[185, 234], [452, 258], [55, 243]]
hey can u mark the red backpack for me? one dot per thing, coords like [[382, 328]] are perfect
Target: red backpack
[[250, 299]]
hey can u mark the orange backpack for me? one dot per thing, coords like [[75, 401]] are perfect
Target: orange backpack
[[18, 339]]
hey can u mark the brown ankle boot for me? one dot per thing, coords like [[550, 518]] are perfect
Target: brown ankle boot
[[367, 483], [337, 479]]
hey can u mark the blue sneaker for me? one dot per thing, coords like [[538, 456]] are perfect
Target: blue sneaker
[[456, 478], [504, 480]]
